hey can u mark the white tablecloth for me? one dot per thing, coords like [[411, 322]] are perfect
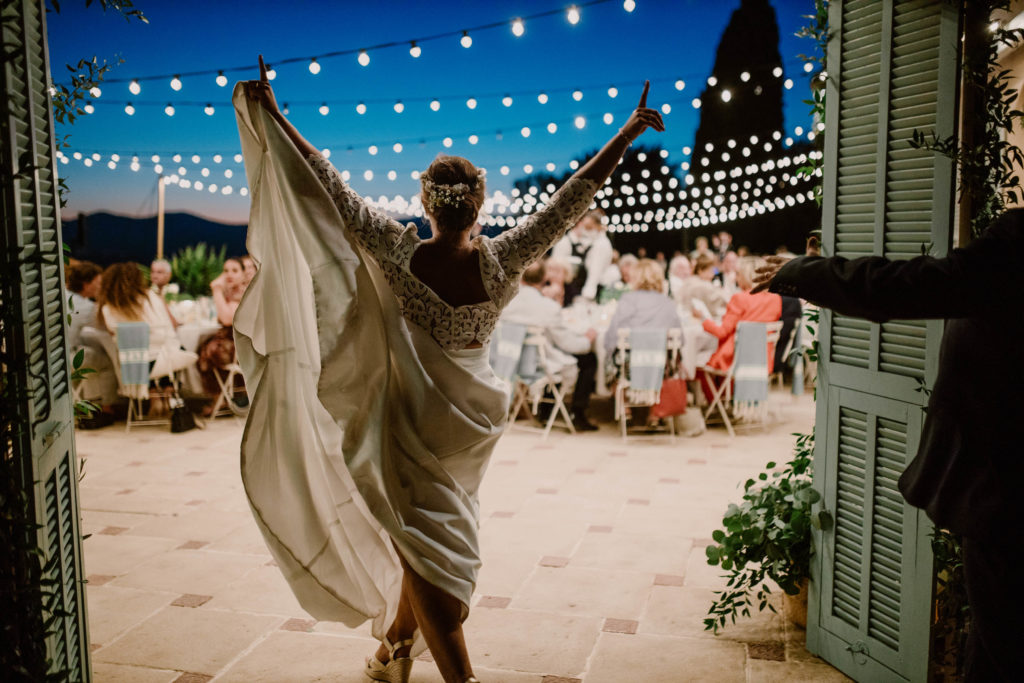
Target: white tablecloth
[[195, 333]]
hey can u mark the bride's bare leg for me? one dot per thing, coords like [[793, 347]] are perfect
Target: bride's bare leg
[[439, 616], [403, 627]]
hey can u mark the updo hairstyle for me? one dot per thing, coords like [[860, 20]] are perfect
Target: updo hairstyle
[[452, 211]]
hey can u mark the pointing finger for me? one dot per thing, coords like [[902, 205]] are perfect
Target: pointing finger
[[263, 70], [643, 97]]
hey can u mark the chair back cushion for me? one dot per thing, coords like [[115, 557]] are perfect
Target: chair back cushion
[[133, 355], [750, 366], [647, 356], [507, 349]]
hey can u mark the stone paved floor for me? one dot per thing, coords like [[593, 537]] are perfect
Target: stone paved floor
[[593, 554]]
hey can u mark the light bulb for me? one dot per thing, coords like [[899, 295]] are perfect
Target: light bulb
[[88, 108], [363, 58], [507, 100], [447, 142], [397, 147], [712, 81], [542, 98], [208, 109], [550, 166], [176, 83], [324, 109], [111, 165], [465, 40], [176, 158], [360, 108], [372, 150], [415, 49], [169, 109], [473, 139], [726, 95], [527, 168], [504, 170], [629, 5], [435, 105], [518, 28], [238, 157], [808, 67], [155, 158], [314, 66], [368, 174], [777, 72], [552, 127], [95, 91], [217, 158], [271, 74], [577, 95], [579, 122], [696, 103], [613, 92], [222, 80], [134, 87], [666, 108], [788, 84], [399, 107], [745, 76], [608, 118], [158, 169], [471, 103], [195, 159], [573, 15], [129, 109], [227, 173], [525, 132], [392, 175], [680, 84]]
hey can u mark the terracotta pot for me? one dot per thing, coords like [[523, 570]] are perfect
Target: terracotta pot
[[795, 606]]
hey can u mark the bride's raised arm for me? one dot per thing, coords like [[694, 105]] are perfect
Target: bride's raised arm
[[522, 245], [375, 231]]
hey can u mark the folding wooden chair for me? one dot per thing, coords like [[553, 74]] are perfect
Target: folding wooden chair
[[227, 402], [656, 360], [721, 391]]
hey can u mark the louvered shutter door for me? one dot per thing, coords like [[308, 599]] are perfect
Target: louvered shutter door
[[892, 69], [31, 229]]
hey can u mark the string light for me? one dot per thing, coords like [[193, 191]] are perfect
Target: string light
[[414, 50], [134, 87], [399, 107], [552, 127], [573, 15], [95, 91], [169, 109], [726, 95], [176, 83], [518, 28], [222, 80], [473, 139], [577, 95], [129, 109], [324, 109], [364, 58], [465, 40], [629, 5], [580, 122], [435, 105], [712, 81], [360, 108], [88, 108], [696, 103], [507, 100], [208, 109], [314, 66], [608, 118], [271, 74], [613, 92], [745, 76], [471, 103], [680, 84], [542, 98], [666, 108], [777, 72], [525, 132]]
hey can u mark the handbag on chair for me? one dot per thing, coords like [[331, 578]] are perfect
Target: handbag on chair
[[672, 400], [182, 419]]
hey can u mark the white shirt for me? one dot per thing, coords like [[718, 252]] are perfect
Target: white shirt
[[530, 307], [597, 260]]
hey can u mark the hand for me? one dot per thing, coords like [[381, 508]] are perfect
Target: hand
[[642, 118], [763, 276], [591, 334], [260, 91], [698, 312], [218, 283]]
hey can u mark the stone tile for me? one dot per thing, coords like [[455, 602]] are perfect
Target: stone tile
[[773, 651], [531, 536], [93, 521], [294, 657], [531, 641], [193, 640], [794, 672], [584, 591], [99, 579], [301, 625], [112, 530], [115, 555], [502, 514], [552, 561], [194, 525], [190, 571], [625, 626], [493, 602], [113, 610], [701, 574], [631, 552], [190, 600], [262, 590], [668, 580], [193, 678], [619, 658], [560, 679], [105, 672], [192, 545], [504, 571], [245, 538]]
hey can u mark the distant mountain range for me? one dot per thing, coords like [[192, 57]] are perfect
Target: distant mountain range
[[106, 238]]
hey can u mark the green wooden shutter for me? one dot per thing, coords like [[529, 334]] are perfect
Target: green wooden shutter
[[29, 214], [893, 68]]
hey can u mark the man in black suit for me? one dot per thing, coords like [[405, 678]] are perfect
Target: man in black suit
[[968, 474]]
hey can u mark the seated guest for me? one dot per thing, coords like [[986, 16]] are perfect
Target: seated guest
[[626, 265], [557, 274], [701, 244], [726, 276], [743, 307], [645, 305], [568, 351], [218, 351], [699, 287], [159, 276], [123, 298], [248, 269], [679, 269], [84, 281]]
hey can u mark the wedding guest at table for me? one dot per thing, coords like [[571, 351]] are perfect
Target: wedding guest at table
[[679, 268], [724, 244], [570, 354], [218, 351], [84, 280], [645, 305], [743, 307], [700, 287], [557, 274], [587, 248], [124, 297], [726, 275], [700, 249], [743, 251], [248, 269], [662, 262], [612, 276], [626, 265], [159, 276]]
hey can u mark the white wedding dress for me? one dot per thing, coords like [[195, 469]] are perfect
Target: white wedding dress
[[369, 422]]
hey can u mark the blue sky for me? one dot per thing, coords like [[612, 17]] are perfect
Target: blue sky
[[663, 40]]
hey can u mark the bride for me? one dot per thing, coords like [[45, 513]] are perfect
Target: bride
[[400, 365]]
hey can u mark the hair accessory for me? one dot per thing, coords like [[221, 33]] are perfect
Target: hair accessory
[[436, 194]]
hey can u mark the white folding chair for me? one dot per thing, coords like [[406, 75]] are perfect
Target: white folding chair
[[227, 402], [721, 391], [626, 392], [532, 382]]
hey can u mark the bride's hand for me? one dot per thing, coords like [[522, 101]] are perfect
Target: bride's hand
[[260, 91], [642, 118], [763, 276]]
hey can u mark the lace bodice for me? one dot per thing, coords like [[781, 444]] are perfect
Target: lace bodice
[[502, 259]]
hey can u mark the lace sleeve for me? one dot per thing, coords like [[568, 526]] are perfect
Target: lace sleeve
[[374, 231], [520, 246]]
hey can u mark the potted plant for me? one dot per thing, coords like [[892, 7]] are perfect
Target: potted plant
[[767, 538]]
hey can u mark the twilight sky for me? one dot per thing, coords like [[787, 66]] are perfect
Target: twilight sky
[[662, 40]]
